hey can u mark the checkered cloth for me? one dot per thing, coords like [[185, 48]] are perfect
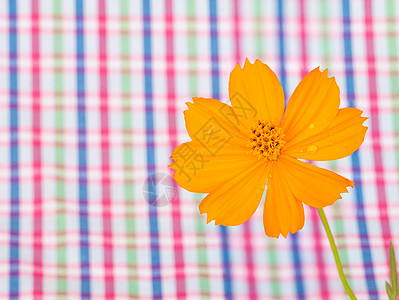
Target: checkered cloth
[[92, 95]]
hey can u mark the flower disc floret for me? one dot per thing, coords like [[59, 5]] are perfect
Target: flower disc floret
[[266, 140]]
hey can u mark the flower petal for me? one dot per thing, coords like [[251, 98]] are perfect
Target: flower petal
[[312, 185], [236, 201], [283, 213], [344, 136], [213, 123], [312, 107], [255, 93], [202, 170]]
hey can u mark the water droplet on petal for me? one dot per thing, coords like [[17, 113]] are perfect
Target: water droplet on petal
[[330, 143], [312, 148], [311, 126], [301, 151]]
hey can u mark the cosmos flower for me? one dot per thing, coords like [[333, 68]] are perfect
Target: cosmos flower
[[237, 150]]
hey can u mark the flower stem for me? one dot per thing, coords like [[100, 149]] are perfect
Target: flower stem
[[335, 252]]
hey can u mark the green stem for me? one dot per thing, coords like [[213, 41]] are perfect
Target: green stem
[[335, 252]]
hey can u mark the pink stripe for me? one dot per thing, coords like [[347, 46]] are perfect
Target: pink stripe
[[375, 131], [237, 32], [319, 251], [250, 267], [105, 170], [318, 248], [171, 96], [122, 296], [194, 295], [37, 179]]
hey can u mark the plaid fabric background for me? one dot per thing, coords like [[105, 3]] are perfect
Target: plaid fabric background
[[91, 102]]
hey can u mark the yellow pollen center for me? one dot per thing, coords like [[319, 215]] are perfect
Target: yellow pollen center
[[266, 140]]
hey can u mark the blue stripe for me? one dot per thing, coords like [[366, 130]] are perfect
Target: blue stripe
[[300, 288], [360, 214], [281, 47], [14, 150], [216, 94], [155, 255], [82, 155]]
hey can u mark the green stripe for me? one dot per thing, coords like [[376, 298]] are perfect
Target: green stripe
[[128, 152], [271, 243], [393, 65], [259, 26], [59, 152], [199, 220], [337, 224], [394, 79]]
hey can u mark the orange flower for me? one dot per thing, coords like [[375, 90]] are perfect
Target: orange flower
[[236, 150]]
